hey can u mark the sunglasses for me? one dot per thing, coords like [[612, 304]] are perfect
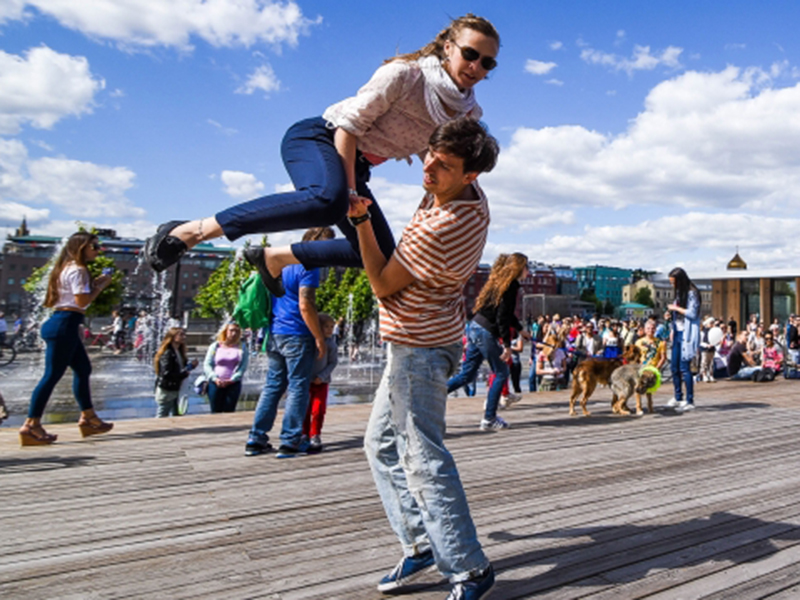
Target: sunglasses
[[471, 55]]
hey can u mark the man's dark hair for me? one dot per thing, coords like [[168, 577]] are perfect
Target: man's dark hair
[[469, 140]]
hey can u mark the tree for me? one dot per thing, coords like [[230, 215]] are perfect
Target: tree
[[327, 292], [638, 274], [644, 296], [334, 297], [588, 295], [217, 298], [608, 308]]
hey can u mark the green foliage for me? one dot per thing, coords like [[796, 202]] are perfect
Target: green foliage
[[217, 298], [588, 295], [333, 297], [105, 302], [110, 297], [641, 274], [644, 296], [608, 309], [363, 298], [327, 292], [32, 283]]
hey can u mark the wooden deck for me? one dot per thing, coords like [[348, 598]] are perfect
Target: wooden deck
[[703, 505]]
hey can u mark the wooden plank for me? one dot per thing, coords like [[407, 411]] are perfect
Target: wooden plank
[[565, 507]]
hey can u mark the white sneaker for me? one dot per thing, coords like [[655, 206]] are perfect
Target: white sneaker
[[512, 398], [672, 403], [504, 402], [494, 424], [684, 407]]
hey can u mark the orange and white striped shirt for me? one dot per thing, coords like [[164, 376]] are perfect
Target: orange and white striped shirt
[[440, 247]]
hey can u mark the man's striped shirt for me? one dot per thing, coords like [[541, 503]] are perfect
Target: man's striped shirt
[[440, 247]]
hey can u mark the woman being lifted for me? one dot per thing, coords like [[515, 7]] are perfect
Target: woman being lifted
[[329, 158]]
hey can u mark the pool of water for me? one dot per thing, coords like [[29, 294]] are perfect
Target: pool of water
[[123, 388]]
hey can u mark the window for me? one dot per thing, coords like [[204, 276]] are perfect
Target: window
[[183, 287], [22, 281], [11, 281]]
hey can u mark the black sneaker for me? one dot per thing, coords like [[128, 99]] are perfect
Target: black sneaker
[[253, 448], [314, 445], [163, 250], [255, 256]]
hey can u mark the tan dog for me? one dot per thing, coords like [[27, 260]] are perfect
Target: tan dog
[[627, 381], [593, 371]]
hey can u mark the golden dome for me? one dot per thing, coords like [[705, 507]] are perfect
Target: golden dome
[[737, 263]]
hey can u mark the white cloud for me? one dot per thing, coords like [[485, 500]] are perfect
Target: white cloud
[[139, 229], [43, 87], [221, 128], [556, 82], [12, 213], [12, 10], [642, 59], [538, 67], [80, 189], [703, 241], [556, 45], [724, 139], [241, 185], [263, 78], [83, 189], [152, 23]]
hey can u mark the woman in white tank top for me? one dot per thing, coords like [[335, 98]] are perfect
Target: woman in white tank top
[[70, 291]]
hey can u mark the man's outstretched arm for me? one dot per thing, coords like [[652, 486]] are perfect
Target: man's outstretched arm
[[387, 277]]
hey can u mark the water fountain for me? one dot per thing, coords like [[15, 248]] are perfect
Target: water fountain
[[123, 386]]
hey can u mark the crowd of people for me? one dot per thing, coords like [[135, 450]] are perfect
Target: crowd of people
[[718, 348]]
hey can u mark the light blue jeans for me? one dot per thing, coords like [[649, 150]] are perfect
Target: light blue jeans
[[291, 359], [745, 373], [481, 344], [416, 476]]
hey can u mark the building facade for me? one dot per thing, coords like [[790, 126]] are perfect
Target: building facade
[[605, 282], [566, 280]]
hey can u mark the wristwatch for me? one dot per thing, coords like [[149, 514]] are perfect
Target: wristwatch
[[355, 221]]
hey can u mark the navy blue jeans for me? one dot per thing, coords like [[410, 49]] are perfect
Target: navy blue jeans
[[291, 360], [224, 399], [681, 371], [481, 345], [64, 349], [320, 199]]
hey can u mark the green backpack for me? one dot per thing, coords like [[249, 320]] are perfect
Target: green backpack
[[254, 305]]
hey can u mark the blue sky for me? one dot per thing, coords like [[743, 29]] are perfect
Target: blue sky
[[636, 134]]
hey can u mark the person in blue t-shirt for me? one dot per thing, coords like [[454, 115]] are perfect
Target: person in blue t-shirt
[[296, 340]]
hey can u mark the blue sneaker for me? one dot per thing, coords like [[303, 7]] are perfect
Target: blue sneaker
[[290, 452], [475, 588], [407, 570]]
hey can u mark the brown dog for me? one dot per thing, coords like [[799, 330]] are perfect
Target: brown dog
[[593, 371], [627, 381]]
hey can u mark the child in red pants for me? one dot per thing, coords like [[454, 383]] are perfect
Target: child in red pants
[[320, 378]]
